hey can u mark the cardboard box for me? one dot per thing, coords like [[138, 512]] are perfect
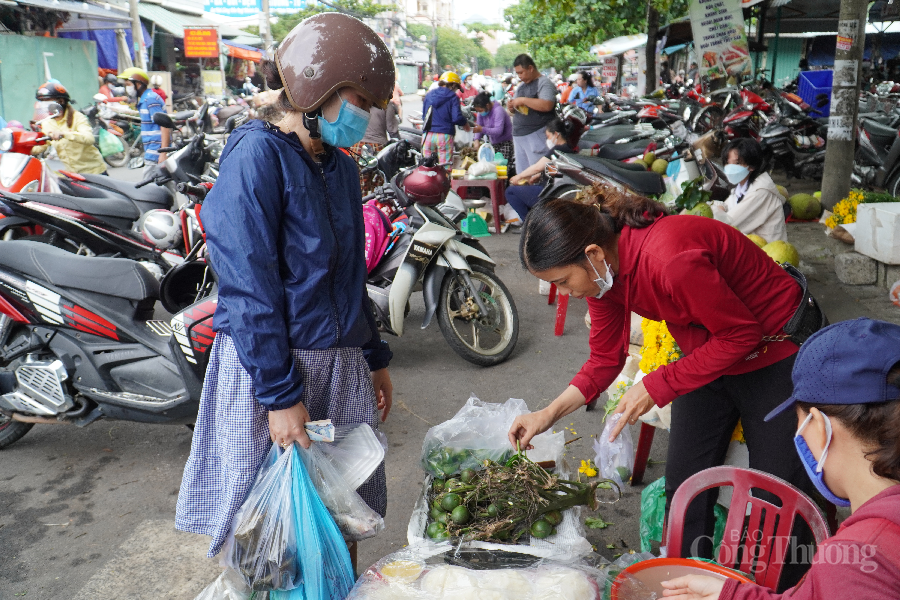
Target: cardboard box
[[878, 231]]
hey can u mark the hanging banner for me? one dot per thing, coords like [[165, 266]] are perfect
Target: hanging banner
[[610, 67], [201, 43], [720, 40]]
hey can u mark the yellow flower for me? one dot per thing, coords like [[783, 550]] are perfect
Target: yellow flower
[[738, 435], [587, 467]]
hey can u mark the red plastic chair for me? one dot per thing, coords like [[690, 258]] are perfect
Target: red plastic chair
[[763, 542], [561, 307], [496, 190]]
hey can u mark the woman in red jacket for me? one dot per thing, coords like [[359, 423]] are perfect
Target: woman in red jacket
[[725, 302], [847, 404]]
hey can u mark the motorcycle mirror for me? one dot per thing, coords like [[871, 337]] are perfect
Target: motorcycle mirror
[[54, 109], [367, 162], [163, 120], [136, 162], [99, 98]]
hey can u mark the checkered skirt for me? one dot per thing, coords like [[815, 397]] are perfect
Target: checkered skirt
[[231, 436]]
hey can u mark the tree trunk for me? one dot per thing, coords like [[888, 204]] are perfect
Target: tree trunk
[[652, 31]]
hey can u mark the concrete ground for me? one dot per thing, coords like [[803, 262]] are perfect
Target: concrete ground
[[88, 513]]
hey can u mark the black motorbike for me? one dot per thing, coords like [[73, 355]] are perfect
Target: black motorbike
[[877, 161]]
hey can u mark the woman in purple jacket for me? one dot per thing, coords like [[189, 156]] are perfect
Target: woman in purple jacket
[[493, 121]]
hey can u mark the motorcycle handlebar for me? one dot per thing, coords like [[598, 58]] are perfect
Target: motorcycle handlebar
[[198, 191], [170, 149]]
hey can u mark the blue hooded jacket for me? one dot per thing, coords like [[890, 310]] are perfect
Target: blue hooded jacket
[[286, 239], [446, 114]]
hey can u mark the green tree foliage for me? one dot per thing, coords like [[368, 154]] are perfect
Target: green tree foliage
[[507, 53], [559, 33], [361, 9]]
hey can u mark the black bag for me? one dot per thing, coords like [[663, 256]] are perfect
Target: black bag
[[426, 123], [808, 318]]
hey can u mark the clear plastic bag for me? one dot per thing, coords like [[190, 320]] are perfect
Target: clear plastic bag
[[261, 547], [476, 433], [227, 586], [429, 573], [353, 516], [614, 459], [356, 452]]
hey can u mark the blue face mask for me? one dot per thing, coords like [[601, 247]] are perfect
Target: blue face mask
[[349, 127], [814, 468], [483, 114], [735, 173]]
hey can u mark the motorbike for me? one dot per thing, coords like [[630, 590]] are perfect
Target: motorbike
[[475, 310], [19, 170], [124, 123], [569, 174], [877, 161]]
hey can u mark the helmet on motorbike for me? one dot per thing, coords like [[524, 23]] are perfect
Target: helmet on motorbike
[[575, 115], [52, 91], [427, 185], [159, 227], [450, 77], [329, 51], [135, 74], [179, 288]]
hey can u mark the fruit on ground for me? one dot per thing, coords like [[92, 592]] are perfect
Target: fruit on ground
[[783, 191], [702, 209], [659, 166], [782, 252], [450, 502], [460, 515], [541, 529], [817, 195], [805, 206], [757, 239]]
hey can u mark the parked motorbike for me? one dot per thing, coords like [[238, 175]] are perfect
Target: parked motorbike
[[475, 310], [877, 161], [19, 170], [569, 174]]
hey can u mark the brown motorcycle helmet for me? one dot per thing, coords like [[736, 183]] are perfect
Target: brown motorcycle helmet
[[329, 51], [427, 185]]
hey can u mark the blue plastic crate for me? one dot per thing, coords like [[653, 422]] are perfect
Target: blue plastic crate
[[813, 83]]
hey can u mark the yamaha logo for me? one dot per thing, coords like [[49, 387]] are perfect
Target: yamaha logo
[[423, 250]]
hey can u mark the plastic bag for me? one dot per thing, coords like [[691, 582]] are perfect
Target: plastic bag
[[614, 459], [428, 573], [109, 144], [261, 546], [227, 586], [482, 167], [353, 516], [356, 452], [476, 433], [653, 513]]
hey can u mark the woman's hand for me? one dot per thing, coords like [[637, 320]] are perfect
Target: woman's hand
[[535, 178], [693, 587], [477, 129], [384, 391], [56, 136], [286, 426], [633, 404], [529, 425], [515, 180]]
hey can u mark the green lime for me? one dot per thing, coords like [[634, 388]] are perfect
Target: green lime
[[452, 484], [467, 475], [554, 517], [450, 502], [460, 515], [624, 473], [437, 485], [435, 530], [492, 510], [541, 529], [436, 513], [443, 518]]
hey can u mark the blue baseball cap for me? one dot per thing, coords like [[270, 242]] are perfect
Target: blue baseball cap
[[846, 363]]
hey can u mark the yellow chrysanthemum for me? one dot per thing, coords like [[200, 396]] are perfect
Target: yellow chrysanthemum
[[587, 468]]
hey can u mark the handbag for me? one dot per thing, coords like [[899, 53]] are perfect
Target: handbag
[[808, 318], [426, 122]]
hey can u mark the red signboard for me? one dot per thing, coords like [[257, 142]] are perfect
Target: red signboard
[[201, 43]]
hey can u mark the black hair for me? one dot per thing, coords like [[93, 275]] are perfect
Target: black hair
[[484, 100], [557, 231], [749, 152], [587, 78], [876, 423], [273, 80], [560, 126], [524, 61]]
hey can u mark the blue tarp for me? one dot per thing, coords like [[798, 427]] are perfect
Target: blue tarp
[[107, 49], [822, 48]]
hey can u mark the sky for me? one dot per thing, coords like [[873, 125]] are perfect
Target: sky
[[491, 11]]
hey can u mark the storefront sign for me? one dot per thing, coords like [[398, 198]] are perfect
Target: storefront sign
[[201, 43], [720, 39], [610, 67], [233, 8]]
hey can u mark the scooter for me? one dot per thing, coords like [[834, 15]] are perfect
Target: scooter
[[19, 170], [475, 310], [877, 161]]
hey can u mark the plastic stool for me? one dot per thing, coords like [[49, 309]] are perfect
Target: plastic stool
[[496, 189], [642, 453], [561, 308]]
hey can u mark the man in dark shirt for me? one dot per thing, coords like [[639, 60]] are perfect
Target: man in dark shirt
[[531, 110]]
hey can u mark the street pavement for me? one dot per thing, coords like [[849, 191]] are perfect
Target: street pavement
[[89, 513]]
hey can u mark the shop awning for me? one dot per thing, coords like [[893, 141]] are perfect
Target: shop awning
[[619, 45], [84, 16], [175, 22], [235, 50]]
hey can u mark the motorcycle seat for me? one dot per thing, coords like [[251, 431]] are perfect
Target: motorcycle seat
[[182, 115], [606, 116], [118, 208], [608, 135], [229, 111], [879, 130], [623, 151], [117, 277], [150, 194], [642, 182]]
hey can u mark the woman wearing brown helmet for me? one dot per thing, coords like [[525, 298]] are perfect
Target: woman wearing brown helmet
[[296, 340]]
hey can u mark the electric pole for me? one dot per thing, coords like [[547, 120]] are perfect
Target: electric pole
[[137, 35], [844, 102], [266, 28]]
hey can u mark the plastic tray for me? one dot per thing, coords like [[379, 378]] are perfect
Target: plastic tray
[[364, 452]]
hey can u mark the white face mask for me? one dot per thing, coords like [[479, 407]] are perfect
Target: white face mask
[[551, 144], [605, 283]]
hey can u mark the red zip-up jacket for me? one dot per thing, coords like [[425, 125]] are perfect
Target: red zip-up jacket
[[862, 565], [717, 291]]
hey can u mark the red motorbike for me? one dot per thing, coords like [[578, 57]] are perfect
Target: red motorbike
[[19, 170]]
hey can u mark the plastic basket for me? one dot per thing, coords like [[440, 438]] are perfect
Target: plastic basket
[[813, 83]]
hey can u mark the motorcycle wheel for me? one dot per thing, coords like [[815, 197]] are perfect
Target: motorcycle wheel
[[119, 159], [893, 186], [487, 341], [12, 431], [707, 119]]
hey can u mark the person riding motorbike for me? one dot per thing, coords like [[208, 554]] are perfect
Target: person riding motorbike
[[296, 336], [112, 90], [149, 103], [70, 133], [156, 83]]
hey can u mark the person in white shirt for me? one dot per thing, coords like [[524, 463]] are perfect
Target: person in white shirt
[[755, 205]]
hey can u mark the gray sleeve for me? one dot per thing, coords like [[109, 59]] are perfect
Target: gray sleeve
[[391, 120], [546, 90]]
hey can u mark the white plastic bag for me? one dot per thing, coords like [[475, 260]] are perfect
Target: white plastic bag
[[353, 516], [227, 586], [614, 459], [482, 167], [356, 452]]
